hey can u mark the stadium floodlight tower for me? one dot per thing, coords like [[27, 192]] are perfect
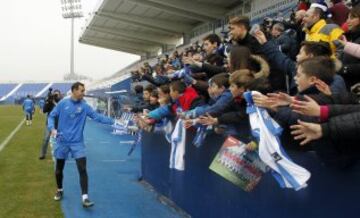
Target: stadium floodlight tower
[[71, 9]]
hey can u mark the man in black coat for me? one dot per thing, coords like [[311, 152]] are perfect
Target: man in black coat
[[240, 34]]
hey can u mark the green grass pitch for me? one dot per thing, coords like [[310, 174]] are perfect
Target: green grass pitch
[[27, 184]]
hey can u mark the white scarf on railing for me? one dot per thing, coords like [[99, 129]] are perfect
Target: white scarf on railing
[[177, 154]]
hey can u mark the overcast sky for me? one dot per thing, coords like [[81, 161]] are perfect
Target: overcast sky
[[35, 44]]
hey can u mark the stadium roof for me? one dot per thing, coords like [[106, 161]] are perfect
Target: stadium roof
[[144, 27]]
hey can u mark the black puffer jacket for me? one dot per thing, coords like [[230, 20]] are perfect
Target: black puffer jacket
[[340, 109], [346, 126], [215, 59], [338, 146]]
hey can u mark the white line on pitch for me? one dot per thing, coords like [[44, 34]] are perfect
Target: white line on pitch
[[6, 141]]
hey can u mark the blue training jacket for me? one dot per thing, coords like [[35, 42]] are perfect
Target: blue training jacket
[[72, 117], [218, 106], [160, 112], [28, 105]]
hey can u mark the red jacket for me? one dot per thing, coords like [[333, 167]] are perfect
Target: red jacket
[[186, 99], [345, 27], [302, 6]]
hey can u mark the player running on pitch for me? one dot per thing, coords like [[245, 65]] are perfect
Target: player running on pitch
[[28, 107]]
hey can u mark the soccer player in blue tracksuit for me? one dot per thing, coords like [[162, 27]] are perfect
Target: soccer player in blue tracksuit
[[72, 113], [28, 107]]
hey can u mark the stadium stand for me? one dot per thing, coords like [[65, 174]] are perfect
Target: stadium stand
[[175, 28], [63, 87], [6, 88], [11, 92], [28, 89]]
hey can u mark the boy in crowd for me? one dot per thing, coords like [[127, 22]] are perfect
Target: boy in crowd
[[153, 101], [221, 95], [183, 98], [146, 100], [309, 73], [235, 111]]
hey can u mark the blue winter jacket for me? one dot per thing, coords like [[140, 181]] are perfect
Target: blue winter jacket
[[280, 61], [219, 105]]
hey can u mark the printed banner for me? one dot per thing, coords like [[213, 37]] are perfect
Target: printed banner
[[237, 165]]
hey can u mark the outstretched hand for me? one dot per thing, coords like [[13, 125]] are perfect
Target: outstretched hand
[[280, 99], [308, 107], [261, 100], [343, 39], [260, 36], [189, 123], [191, 61], [306, 132], [208, 120], [54, 133], [272, 100]]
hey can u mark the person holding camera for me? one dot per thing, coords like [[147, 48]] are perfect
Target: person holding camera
[[51, 101]]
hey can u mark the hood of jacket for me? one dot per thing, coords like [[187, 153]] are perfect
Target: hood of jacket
[[263, 68]]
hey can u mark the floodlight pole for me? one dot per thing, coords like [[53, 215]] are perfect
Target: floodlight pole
[[71, 9], [72, 73]]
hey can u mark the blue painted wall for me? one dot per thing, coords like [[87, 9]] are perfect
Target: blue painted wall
[[202, 193]]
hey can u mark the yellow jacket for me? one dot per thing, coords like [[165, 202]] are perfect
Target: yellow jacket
[[330, 33]]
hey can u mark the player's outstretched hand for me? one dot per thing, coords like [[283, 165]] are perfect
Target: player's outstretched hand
[[53, 133]]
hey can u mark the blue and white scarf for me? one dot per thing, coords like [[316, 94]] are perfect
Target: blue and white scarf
[[121, 125], [177, 154], [137, 142], [180, 73], [164, 125], [267, 131], [201, 133]]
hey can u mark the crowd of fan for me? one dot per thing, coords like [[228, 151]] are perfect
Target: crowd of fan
[[307, 68]]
